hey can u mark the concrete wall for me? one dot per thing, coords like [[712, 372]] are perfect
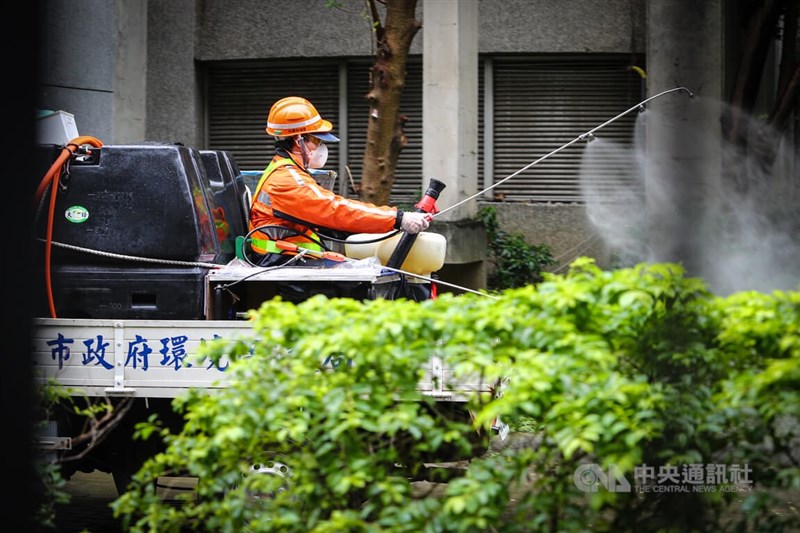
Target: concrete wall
[[561, 26], [565, 229], [254, 29]]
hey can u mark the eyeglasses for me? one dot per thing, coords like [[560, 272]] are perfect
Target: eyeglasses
[[312, 139]]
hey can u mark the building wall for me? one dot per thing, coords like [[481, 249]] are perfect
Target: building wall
[[561, 26], [253, 29]]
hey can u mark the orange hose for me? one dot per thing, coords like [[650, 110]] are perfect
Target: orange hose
[[53, 175], [68, 150]]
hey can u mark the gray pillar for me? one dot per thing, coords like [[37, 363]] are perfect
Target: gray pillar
[[78, 43], [682, 135], [450, 100], [131, 63], [450, 131], [174, 104]]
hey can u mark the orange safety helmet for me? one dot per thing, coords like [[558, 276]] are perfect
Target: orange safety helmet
[[295, 115]]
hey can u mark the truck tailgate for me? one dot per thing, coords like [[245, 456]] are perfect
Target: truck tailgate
[[159, 358]]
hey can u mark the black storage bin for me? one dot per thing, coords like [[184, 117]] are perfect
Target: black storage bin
[[86, 291], [145, 203]]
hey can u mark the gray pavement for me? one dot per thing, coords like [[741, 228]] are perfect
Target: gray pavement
[[88, 509], [91, 495]]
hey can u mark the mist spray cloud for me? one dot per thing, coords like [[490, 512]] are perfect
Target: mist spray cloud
[[728, 217]]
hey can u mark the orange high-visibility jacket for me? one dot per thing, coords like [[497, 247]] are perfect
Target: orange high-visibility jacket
[[287, 189]]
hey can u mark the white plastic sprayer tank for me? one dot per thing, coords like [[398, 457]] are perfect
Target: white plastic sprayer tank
[[426, 255]]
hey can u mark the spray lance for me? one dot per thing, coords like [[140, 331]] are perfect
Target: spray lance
[[426, 205]]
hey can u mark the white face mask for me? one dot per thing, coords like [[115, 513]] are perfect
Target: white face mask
[[318, 157]]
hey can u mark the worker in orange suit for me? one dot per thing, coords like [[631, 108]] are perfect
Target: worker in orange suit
[[290, 205]]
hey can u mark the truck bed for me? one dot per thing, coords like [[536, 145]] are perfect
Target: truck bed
[[157, 358]]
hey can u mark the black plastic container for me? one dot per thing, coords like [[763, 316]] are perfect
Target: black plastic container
[[86, 291], [152, 206]]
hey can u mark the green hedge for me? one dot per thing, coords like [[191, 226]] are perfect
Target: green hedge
[[629, 370]]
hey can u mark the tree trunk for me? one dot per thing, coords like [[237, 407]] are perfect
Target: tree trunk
[[385, 130]]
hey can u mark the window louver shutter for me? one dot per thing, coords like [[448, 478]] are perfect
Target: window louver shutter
[[542, 103], [539, 104], [240, 95]]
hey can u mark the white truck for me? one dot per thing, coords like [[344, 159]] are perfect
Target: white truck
[[139, 267]]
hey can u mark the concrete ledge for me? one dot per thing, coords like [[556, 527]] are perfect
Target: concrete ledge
[[465, 260], [466, 240]]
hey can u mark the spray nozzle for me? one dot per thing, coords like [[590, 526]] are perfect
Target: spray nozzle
[[588, 137], [690, 93]]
